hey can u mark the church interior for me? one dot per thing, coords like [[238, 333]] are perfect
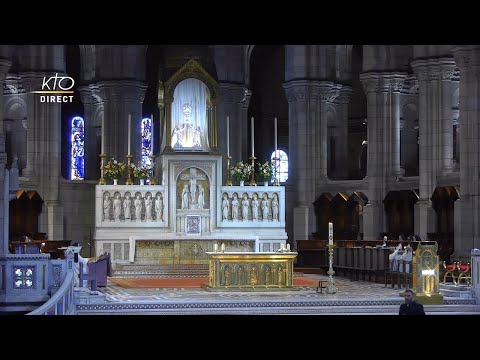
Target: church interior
[[310, 170]]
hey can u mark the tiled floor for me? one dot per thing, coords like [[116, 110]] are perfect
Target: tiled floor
[[352, 297]]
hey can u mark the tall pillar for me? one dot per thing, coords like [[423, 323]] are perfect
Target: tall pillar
[[447, 68], [44, 150], [378, 88], [122, 98], [435, 134], [467, 230], [4, 67], [90, 105], [231, 103], [397, 80], [307, 147], [341, 142]]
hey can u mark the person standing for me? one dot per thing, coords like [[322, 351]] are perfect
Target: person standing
[[410, 306]]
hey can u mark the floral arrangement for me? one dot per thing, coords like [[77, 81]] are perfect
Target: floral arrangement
[[141, 171], [114, 169], [241, 171], [265, 170]]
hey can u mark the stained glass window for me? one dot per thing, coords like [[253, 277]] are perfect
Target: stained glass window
[[78, 149], [281, 167], [146, 141]]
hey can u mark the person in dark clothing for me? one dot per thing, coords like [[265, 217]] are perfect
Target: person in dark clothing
[[410, 307]]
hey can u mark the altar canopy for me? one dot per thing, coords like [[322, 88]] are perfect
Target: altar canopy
[[189, 116]]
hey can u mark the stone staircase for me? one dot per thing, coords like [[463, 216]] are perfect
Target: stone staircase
[[160, 271], [462, 291]]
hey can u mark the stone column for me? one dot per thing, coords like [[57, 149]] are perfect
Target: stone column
[[397, 80], [44, 150], [4, 67], [467, 230], [121, 98], [377, 87], [447, 69], [92, 160], [307, 147], [341, 142], [231, 103], [435, 132], [231, 99]]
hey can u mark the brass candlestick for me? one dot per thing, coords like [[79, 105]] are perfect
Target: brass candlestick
[[276, 182], [102, 180], [228, 182], [152, 179], [252, 179], [129, 169], [331, 288]]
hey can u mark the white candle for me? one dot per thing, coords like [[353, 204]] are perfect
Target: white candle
[[288, 247], [228, 136], [223, 247], [103, 135], [215, 247], [253, 138], [282, 246], [275, 131], [330, 233], [129, 132]]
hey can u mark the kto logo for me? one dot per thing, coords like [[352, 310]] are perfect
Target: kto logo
[[56, 85]]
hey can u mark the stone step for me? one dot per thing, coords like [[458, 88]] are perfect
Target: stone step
[[456, 291], [161, 271]]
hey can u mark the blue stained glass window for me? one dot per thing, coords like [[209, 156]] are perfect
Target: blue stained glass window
[[281, 166], [146, 141], [78, 149]]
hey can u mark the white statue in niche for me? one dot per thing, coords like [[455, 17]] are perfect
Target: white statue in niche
[[274, 207], [148, 207], [138, 208], [107, 202], [117, 207], [189, 115], [245, 207], [127, 206], [159, 207], [235, 207], [201, 197], [255, 207], [185, 200], [225, 207], [265, 207]]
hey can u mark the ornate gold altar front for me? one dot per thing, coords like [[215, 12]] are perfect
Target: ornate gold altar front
[[251, 271]]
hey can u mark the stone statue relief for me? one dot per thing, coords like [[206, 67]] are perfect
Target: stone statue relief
[[107, 203], [117, 207], [159, 207], [127, 206], [138, 207], [148, 206], [195, 187]]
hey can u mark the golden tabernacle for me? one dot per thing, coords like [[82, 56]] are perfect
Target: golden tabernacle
[[426, 274], [251, 270]]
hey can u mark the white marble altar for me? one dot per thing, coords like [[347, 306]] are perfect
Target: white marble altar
[[187, 206]]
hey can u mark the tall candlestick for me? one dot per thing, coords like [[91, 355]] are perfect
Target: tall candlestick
[[253, 138], [103, 135], [129, 131], [330, 233], [275, 131], [228, 136]]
